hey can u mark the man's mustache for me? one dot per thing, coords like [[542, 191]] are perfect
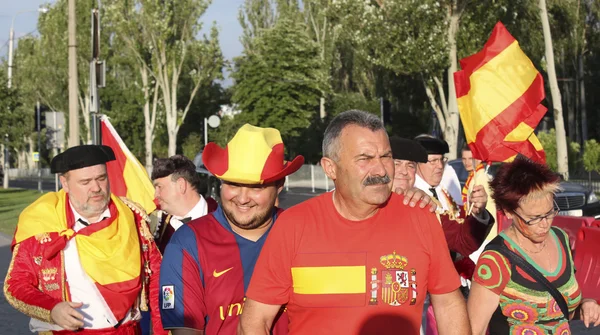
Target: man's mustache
[[377, 180]]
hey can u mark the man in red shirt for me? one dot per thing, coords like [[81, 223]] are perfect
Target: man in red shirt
[[355, 261]]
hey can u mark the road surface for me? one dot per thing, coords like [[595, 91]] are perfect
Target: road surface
[[13, 322]]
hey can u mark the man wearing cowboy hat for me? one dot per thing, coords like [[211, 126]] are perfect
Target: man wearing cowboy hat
[[208, 263], [83, 259]]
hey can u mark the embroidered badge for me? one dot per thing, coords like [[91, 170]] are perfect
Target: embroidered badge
[[51, 287], [168, 293], [49, 274], [37, 260], [396, 284], [43, 238]]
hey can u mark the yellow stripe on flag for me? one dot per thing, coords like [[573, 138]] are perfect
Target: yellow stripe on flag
[[520, 133], [139, 187], [329, 280], [510, 72]]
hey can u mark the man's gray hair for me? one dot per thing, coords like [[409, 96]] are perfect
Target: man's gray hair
[[331, 145]]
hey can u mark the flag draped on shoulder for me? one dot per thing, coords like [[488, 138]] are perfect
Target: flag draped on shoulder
[[499, 94], [126, 174]]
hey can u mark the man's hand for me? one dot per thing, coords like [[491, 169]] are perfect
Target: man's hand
[[65, 315], [414, 195], [478, 199], [590, 312]]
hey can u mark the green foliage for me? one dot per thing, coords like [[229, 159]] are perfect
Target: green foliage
[[192, 145], [346, 101], [548, 140], [17, 122], [226, 130], [279, 83], [42, 64], [591, 156], [13, 202]]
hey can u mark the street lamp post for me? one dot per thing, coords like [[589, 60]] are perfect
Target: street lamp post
[[11, 41], [213, 121]]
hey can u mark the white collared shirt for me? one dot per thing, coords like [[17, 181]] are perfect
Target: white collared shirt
[[199, 210], [95, 310], [421, 184]]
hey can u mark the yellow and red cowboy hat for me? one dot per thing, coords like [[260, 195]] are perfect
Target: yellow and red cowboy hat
[[254, 155]]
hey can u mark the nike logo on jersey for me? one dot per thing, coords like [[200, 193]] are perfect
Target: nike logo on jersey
[[219, 274]]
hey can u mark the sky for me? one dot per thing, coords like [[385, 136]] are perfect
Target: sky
[[223, 12]]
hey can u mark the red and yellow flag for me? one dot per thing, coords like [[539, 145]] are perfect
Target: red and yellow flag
[[126, 174], [499, 93]]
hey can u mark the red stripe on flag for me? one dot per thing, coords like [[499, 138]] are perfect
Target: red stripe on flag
[[499, 40], [525, 109], [115, 168], [490, 139], [120, 297]]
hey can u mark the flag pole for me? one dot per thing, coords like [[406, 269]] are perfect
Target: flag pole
[[487, 168]]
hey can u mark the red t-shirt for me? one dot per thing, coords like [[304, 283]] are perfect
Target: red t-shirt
[[353, 277]]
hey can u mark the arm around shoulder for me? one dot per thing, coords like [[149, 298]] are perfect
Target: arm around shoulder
[[257, 318]]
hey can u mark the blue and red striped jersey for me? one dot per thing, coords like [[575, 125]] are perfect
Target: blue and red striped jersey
[[204, 275]]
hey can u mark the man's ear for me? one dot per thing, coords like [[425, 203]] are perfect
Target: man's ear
[[329, 167], [181, 185], [508, 214], [279, 184], [63, 182]]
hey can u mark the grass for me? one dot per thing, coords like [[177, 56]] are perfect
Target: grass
[[12, 202]]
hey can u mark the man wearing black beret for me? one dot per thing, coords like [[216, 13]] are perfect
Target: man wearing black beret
[[83, 259], [420, 163], [463, 236]]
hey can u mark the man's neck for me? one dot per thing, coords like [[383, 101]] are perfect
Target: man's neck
[[252, 234], [420, 182], [353, 210], [187, 205]]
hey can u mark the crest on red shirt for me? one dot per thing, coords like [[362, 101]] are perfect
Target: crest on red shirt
[[396, 284]]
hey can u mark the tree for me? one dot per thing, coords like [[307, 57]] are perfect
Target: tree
[[279, 83], [123, 22], [548, 140], [559, 125], [591, 156], [424, 39], [168, 30], [16, 121], [42, 61]]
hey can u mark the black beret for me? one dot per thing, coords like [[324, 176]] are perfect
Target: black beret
[[81, 156], [408, 150], [433, 146]]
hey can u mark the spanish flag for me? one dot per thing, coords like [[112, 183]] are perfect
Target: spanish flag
[[499, 95], [127, 176]]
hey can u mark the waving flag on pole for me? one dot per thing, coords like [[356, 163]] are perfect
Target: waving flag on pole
[[499, 93], [126, 174]]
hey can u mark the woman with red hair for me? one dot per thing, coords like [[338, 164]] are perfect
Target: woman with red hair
[[514, 276]]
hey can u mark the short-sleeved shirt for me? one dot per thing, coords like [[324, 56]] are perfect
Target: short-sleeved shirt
[[353, 277], [526, 306], [204, 275]]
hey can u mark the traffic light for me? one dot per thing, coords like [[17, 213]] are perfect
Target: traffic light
[[42, 118]]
